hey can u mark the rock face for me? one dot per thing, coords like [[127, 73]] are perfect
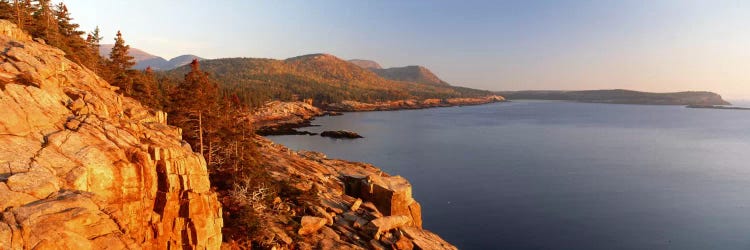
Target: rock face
[[82, 167]]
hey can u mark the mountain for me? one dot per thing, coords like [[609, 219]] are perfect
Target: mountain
[[144, 59], [324, 78], [367, 64], [414, 73], [620, 96]]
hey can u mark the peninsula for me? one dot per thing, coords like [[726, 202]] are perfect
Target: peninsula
[[619, 96]]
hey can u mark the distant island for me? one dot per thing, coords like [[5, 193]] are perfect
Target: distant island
[[715, 107], [619, 96]]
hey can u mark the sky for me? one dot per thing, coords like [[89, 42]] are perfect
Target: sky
[[648, 45]]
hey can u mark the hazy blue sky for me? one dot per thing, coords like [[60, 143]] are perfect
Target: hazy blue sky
[[647, 45]]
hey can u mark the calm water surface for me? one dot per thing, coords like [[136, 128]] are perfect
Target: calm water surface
[[562, 175]]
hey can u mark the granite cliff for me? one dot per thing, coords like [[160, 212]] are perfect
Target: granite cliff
[[82, 167]]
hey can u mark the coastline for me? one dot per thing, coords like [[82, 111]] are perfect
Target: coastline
[[278, 118], [619, 96], [715, 107], [354, 106], [362, 206]]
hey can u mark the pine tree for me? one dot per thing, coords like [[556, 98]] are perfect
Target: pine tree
[[20, 13], [119, 65], [6, 10], [71, 42], [44, 24], [145, 89], [94, 38], [194, 106]]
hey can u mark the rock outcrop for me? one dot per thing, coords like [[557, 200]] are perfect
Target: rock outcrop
[[341, 134], [82, 167], [278, 114], [346, 205]]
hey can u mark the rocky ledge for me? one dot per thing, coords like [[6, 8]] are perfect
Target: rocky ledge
[[342, 205], [279, 114], [82, 167], [411, 104], [339, 204]]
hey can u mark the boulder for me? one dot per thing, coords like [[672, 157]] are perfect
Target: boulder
[[387, 223], [356, 204], [311, 224], [391, 195]]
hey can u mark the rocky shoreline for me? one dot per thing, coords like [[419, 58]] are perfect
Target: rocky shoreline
[[355, 205], [284, 118], [344, 205], [83, 167], [354, 106]]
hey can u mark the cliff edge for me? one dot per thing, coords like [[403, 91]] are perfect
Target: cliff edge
[[341, 205], [82, 167]]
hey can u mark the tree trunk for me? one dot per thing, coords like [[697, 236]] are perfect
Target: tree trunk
[[18, 14], [200, 131], [210, 153]]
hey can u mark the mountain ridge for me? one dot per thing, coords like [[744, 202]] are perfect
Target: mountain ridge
[[411, 73], [324, 78], [144, 59], [367, 64]]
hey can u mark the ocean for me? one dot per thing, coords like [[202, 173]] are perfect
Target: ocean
[[562, 175]]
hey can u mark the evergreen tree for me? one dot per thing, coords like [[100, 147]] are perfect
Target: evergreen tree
[[194, 106], [6, 10], [145, 89], [45, 25], [94, 38], [120, 64], [71, 42], [20, 13]]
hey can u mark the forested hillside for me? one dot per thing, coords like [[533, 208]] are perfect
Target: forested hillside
[[324, 78]]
